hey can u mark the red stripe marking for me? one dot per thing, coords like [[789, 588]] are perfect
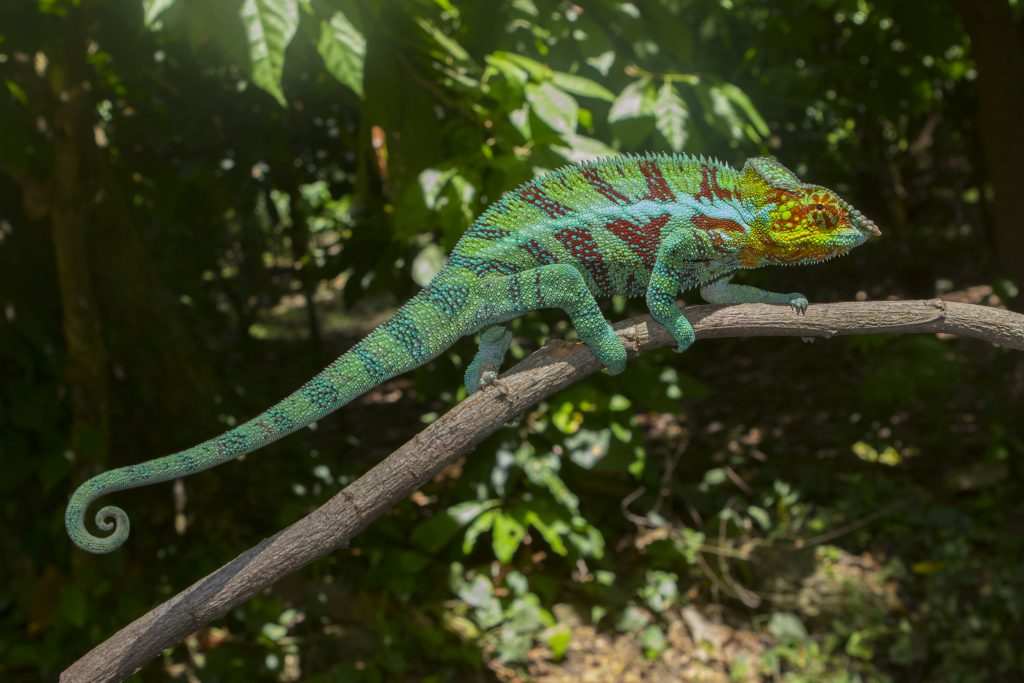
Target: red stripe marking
[[641, 239], [582, 247], [538, 252], [603, 186], [531, 194], [716, 224], [709, 187], [657, 188]]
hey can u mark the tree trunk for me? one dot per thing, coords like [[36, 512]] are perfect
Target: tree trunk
[[997, 44], [72, 203]]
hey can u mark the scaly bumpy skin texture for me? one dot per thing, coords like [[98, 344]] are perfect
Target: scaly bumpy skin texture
[[648, 226]]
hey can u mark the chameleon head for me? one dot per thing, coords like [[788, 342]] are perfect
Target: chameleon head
[[802, 223]]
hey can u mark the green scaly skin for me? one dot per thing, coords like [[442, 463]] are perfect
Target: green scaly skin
[[648, 226]]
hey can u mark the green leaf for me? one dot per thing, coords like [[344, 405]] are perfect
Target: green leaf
[[661, 590], [269, 26], [343, 49], [715, 476], [550, 531], [587, 447], [653, 641], [481, 524], [740, 99], [537, 70], [670, 116], [760, 515], [554, 107], [506, 536], [632, 102], [513, 73], [632, 619], [558, 639], [787, 627], [152, 9], [632, 113], [579, 85], [449, 45]]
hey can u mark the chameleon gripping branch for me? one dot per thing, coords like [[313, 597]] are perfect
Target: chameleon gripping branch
[[550, 369], [640, 226]]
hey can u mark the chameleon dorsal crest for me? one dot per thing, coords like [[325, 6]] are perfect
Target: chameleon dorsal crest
[[772, 172]]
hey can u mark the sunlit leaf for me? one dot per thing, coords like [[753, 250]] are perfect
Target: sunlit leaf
[[633, 101], [579, 85], [554, 107], [670, 116], [506, 535], [787, 627], [537, 70], [653, 640], [760, 515], [449, 45], [558, 639], [343, 49], [551, 530], [152, 9], [269, 26], [740, 99], [512, 72], [480, 525]]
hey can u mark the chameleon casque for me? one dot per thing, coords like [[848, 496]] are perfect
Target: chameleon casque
[[648, 226]]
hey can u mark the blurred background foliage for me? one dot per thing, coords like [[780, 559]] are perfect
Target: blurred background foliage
[[202, 203]]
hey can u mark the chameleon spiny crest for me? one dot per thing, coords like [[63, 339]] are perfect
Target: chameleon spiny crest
[[649, 226]]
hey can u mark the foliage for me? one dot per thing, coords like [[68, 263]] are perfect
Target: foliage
[[259, 180]]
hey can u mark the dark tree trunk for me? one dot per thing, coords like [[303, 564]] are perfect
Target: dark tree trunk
[[997, 44], [71, 205]]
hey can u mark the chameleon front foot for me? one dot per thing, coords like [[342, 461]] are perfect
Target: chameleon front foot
[[798, 302]]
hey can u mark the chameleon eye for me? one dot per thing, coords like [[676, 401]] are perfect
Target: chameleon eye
[[819, 207]]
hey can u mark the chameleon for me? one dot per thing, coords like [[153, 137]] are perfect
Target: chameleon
[[647, 226]]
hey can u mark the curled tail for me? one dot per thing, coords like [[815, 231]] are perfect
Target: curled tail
[[418, 332]]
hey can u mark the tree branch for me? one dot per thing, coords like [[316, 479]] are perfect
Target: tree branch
[[556, 365]]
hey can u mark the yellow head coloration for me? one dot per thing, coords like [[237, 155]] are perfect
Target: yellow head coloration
[[801, 223]]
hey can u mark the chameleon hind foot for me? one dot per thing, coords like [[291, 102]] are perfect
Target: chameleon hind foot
[[486, 365]]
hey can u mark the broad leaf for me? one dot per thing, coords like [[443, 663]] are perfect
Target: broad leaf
[[632, 102], [578, 85], [343, 49], [759, 129], [553, 106], [507, 534], [537, 70], [269, 27], [670, 116]]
